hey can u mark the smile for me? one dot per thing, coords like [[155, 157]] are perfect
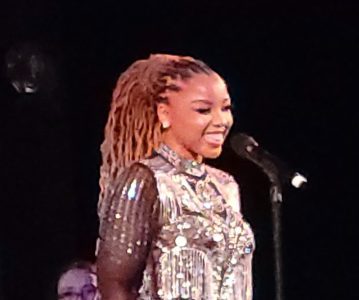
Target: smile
[[216, 139]]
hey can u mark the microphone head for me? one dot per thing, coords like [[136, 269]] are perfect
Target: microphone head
[[246, 147], [243, 144]]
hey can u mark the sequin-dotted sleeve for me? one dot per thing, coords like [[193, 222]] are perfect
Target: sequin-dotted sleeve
[[128, 218]]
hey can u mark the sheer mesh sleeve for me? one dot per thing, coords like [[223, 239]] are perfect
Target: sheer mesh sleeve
[[128, 218]]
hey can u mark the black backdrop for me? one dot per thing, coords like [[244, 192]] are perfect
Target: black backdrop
[[291, 70]]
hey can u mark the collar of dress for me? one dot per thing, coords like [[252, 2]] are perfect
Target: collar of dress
[[183, 165]]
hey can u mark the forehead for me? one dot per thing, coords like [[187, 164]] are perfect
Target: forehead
[[202, 86], [76, 278]]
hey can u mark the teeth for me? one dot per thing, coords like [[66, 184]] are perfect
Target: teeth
[[216, 138]]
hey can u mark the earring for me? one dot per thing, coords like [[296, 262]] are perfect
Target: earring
[[165, 124]]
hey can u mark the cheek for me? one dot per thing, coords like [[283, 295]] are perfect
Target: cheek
[[197, 125], [230, 120], [201, 121], [189, 120], [93, 279]]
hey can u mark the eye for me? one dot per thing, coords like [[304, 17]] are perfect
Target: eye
[[66, 295], [228, 107], [203, 110]]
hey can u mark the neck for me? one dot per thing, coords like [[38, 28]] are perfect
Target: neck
[[181, 149]]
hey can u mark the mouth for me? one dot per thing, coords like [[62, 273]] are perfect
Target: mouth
[[215, 138]]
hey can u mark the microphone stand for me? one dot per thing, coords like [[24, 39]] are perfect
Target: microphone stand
[[276, 201], [274, 176], [247, 148]]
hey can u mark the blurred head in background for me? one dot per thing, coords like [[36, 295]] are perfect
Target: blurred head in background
[[78, 282], [25, 65]]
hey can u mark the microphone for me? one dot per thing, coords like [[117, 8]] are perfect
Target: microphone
[[278, 172]]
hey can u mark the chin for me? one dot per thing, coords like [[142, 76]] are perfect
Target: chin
[[212, 153]]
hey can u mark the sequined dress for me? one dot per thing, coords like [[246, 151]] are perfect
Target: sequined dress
[[176, 225]]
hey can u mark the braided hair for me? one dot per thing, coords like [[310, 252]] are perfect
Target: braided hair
[[133, 129]]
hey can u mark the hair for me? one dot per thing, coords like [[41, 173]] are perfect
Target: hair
[[133, 130], [85, 265], [77, 265]]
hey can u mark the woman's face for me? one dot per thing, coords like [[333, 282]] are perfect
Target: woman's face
[[199, 116], [77, 284]]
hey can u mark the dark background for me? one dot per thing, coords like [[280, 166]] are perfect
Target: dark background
[[292, 72]]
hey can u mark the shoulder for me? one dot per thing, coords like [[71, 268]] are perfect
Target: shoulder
[[134, 177], [220, 175], [227, 186], [133, 182], [157, 164], [136, 173], [138, 169]]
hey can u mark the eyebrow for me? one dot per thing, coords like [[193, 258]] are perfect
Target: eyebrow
[[208, 101]]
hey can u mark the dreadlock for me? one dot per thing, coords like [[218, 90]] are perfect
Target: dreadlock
[[133, 130]]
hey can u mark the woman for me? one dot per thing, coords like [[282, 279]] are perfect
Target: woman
[[78, 281], [170, 225]]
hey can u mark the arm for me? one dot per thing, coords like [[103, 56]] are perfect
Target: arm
[[127, 225]]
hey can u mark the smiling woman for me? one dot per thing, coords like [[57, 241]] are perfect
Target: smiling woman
[[170, 225], [198, 116]]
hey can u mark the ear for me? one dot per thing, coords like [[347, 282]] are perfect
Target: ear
[[163, 113]]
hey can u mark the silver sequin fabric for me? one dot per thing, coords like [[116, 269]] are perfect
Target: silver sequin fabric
[[178, 223]]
